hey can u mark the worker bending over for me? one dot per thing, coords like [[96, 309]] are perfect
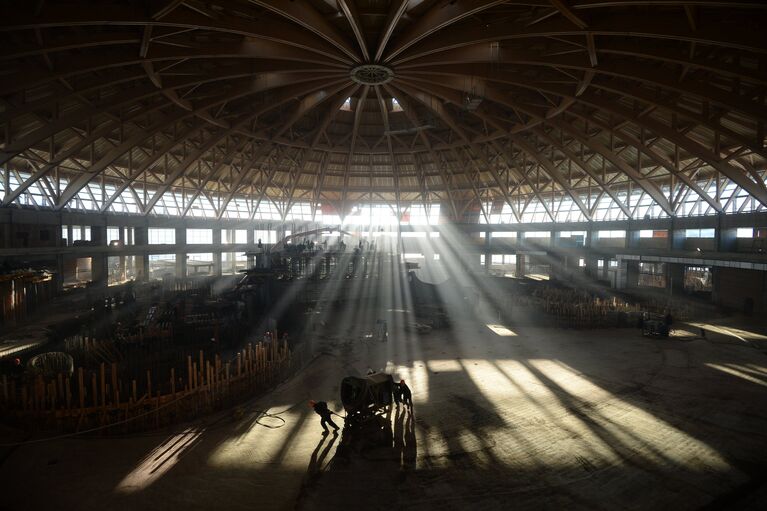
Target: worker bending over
[[321, 408]]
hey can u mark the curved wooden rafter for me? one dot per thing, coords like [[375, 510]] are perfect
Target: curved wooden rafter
[[516, 100]]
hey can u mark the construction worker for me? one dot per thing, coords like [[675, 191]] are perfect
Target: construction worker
[[396, 393], [321, 408], [407, 396]]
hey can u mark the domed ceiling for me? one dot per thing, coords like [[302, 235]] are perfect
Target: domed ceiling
[[465, 103]]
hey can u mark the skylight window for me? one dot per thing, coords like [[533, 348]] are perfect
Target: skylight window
[[347, 105], [395, 106]]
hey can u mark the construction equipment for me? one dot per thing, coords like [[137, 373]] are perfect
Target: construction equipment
[[51, 364], [654, 325], [363, 397]]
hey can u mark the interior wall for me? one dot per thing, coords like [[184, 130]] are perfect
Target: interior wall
[[29, 235], [735, 286]]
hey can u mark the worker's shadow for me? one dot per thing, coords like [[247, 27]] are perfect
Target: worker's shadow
[[319, 455], [405, 447], [410, 450], [372, 460]]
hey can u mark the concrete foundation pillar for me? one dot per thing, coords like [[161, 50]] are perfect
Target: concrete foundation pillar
[[675, 277], [487, 250], [142, 267], [59, 277], [677, 237], [99, 234], [632, 274], [716, 284], [181, 252], [6, 233], [180, 264], [99, 270], [727, 239], [217, 252], [249, 239], [520, 269], [140, 238], [592, 266], [621, 275], [121, 267]]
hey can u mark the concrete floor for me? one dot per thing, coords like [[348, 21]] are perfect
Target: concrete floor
[[529, 418]]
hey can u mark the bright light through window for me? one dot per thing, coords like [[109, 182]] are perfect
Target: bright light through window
[[611, 234], [699, 233], [347, 105], [159, 236], [266, 237], [199, 236]]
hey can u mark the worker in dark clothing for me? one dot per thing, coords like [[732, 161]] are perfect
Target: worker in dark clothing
[[321, 408], [668, 320], [407, 396], [397, 394]]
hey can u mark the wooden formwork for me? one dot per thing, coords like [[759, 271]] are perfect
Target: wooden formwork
[[100, 399]]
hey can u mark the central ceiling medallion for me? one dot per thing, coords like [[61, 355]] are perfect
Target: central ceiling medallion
[[372, 74]]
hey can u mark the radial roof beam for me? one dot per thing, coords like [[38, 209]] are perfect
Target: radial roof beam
[[318, 180], [264, 188], [75, 186], [274, 30], [585, 168], [304, 14], [438, 17], [355, 130], [410, 114], [262, 152], [553, 173], [511, 164], [146, 164], [567, 12], [387, 128], [263, 82], [312, 101], [282, 97], [548, 166], [165, 9], [435, 105], [398, 9], [646, 75], [656, 157], [473, 184], [280, 54], [653, 126], [349, 9], [755, 189], [642, 27], [647, 184], [330, 115]]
